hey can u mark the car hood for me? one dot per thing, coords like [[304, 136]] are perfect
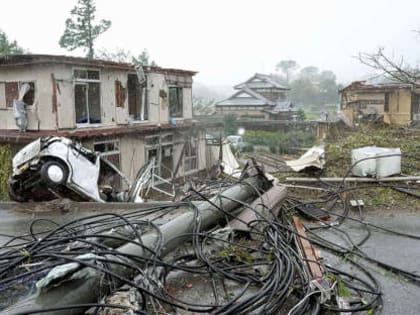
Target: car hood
[[27, 153]]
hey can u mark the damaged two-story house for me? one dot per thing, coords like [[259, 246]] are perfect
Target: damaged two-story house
[[129, 114], [259, 97]]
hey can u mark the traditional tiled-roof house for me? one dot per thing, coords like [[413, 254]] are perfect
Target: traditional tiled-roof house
[[260, 97]]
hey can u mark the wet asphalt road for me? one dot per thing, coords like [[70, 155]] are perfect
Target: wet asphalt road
[[399, 296]]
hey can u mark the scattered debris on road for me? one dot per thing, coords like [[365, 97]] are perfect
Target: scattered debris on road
[[314, 158]]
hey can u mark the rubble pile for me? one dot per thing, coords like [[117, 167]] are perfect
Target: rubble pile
[[243, 247]]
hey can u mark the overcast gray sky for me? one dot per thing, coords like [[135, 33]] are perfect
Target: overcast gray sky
[[228, 41]]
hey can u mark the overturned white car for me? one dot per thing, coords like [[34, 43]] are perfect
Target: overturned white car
[[54, 167]]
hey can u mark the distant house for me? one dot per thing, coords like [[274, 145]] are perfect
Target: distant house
[[397, 103], [260, 97], [128, 114]]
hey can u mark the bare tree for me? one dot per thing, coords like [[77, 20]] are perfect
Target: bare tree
[[397, 70]]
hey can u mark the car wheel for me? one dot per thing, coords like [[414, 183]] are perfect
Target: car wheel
[[13, 194], [54, 172]]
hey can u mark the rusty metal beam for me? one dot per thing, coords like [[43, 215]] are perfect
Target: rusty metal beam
[[307, 250]]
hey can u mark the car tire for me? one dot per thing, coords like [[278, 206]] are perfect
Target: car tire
[[13, 195], [54, 172]]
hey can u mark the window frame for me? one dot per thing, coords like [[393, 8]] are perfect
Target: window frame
[[157, 142], [188, 157], [180, 112], [86, 81], [144, 109], [19, 83], [106, 154], [116, 149]]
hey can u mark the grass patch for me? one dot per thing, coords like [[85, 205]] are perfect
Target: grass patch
[[280, 142], [5, 170], [338, 147]]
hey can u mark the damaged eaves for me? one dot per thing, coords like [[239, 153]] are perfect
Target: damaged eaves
[[11, 61], [12, 136]]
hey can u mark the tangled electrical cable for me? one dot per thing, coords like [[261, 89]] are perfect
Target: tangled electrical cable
[[333, 203], [261, 271]]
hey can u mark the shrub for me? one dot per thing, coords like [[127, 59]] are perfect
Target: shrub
[[248, 147], [5, 170], [282, 142], [231, 125]]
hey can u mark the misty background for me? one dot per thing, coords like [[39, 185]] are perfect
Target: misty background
[[229, 41]]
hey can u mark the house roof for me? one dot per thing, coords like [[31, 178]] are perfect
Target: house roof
[[368, 87], [284, 106], [12, 61], [259, 81], [254, 99]]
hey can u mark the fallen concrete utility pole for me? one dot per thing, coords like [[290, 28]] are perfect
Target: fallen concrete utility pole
[[88, 285], [268, 204], [352, 179]]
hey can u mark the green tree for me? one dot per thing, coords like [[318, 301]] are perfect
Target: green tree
[[118, 55], [144, 59], [301, 116], [314, 87], [310, 72], [8, 47], [231, 124], [81, 30], [287, 67], [123, 55], [304, 91]]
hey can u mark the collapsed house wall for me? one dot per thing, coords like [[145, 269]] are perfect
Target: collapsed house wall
[[129, 153], [392, 101]]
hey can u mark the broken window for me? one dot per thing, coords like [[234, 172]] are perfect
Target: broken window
[[161, 148], [87, 96], [110, 150], [175, 102], [190, 155], [137, 99], [84, 74], [107, 146], [11, 91], [119, 94]]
